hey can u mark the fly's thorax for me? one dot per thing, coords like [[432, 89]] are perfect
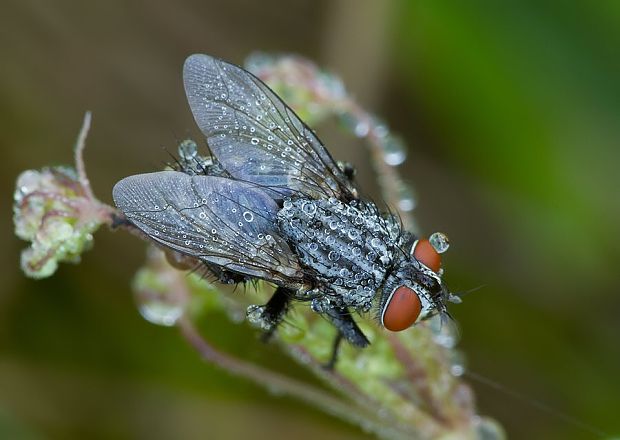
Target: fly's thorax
[[347, 247]]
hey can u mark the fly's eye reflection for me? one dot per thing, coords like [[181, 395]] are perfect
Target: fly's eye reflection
[[401, 310]]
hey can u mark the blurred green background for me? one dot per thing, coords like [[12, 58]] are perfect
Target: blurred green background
[[511, 111]]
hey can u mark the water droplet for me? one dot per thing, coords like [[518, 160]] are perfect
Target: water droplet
[[444, 331], [308, 208], [457, 370], [488, 429], [254, 141], [361, 129], [440, 242], [255, 315], [248, 216], [406, 199], [353, 233], [333, 256], [445, 340], [188, 150], [394, 151], [357, 126], [457, 361], [158, 308]]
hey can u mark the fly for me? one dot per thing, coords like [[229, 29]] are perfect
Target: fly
[[272, 204]]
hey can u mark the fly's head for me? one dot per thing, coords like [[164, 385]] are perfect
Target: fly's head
[[415, 290]]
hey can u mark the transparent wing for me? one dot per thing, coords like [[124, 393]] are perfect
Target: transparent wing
[[218, 220], [257, 137]]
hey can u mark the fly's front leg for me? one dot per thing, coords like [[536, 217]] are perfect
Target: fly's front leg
[[335, 350], [270, 315], [347, 329], [343, 321]]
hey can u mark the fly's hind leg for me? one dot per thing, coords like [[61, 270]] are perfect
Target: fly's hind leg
[[269, 316]]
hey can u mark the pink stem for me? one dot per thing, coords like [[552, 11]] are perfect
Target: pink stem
[[79, 157], [280, 383]]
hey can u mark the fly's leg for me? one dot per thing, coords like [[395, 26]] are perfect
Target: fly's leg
[[225, 277], [335, 350], [119, 221], [347, 329], [348, 170], [275, 310], [343, 321], [270, 315]]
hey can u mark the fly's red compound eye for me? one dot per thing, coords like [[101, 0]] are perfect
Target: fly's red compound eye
[[401, 309], [424, 252]]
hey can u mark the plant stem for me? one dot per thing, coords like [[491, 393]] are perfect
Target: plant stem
[[79, 156], [281, 384]]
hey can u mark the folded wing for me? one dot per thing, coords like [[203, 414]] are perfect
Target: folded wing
[[257, 137], [218, 220]]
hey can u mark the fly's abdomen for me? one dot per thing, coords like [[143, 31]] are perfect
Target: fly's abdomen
[[348, 247]]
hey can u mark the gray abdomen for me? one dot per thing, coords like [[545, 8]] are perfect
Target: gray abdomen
[[347, 247]]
